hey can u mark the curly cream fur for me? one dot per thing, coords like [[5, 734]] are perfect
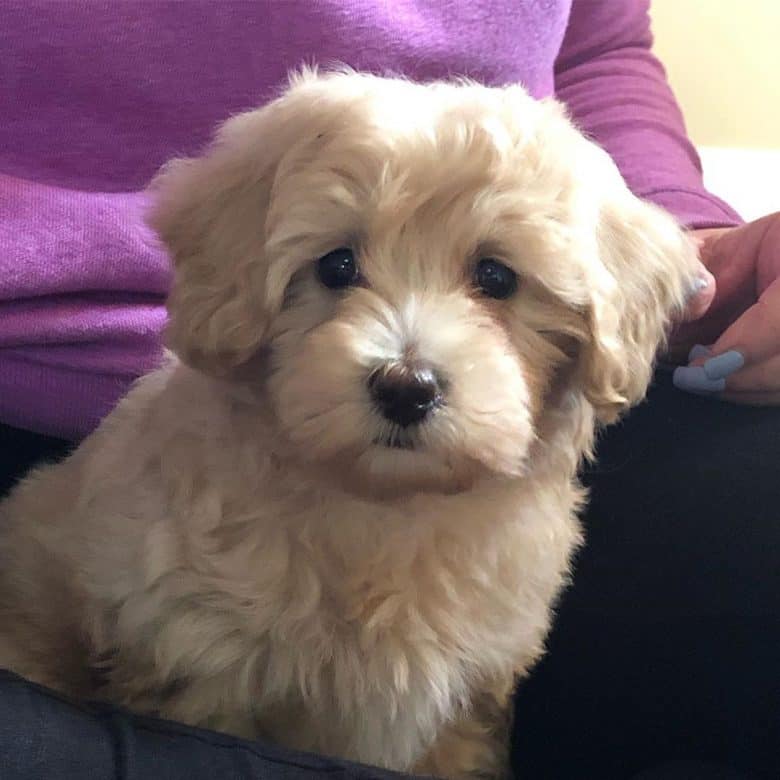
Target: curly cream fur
[[233, 548]]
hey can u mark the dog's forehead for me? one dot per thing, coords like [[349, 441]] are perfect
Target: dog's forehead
[[424, 186], [437, 126], [366, 133], [436, 157]]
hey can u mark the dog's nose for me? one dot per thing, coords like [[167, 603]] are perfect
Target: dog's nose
[[404, 394]]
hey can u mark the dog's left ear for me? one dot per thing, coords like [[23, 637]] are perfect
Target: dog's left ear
[[210, 213], [645, 271]]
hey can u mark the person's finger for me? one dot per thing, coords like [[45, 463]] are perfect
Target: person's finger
[[756, 385], [700, 297], [718, 247], [756, 334], [746, 263], [692, 380], [762, 377], [706, 374], [699, 352], [727, 373]]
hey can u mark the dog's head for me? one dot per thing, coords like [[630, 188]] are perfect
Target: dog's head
[[414, 273]]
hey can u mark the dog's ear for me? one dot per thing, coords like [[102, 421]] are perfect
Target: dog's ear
[[645, 271], [210, 213]]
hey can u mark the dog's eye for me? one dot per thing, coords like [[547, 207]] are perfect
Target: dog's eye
[[338, 269], [494, 279]]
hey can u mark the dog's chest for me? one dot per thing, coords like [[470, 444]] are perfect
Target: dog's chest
[[392, 620], [395, 633], [397, 616]]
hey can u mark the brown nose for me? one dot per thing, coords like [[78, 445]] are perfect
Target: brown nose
[[404, 394]]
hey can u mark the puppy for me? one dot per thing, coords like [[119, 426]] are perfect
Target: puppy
[[339, 515]]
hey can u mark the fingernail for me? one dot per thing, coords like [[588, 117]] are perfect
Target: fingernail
[[699, 285], [698, 351], [724, 365], [692, 379]]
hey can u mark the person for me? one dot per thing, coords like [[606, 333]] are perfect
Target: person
[[664, 646]]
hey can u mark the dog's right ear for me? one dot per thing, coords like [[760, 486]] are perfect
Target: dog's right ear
[[646, 267], [210, 213]]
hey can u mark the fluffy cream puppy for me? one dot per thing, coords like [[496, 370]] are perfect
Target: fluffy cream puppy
[[339, 517]]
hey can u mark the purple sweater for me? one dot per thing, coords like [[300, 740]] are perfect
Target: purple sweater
[[95, 95]]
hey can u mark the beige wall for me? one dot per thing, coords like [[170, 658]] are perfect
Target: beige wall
[[723, 60]]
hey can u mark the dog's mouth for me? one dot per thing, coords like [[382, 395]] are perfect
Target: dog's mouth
[[396, 440]]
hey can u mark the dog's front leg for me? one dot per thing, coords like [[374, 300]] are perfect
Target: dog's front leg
[[49, 659], [475, 744]]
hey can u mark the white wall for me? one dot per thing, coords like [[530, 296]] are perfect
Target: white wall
[[723, 61]]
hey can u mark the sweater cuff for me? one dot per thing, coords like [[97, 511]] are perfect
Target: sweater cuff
[[55, 400], [694, 209]]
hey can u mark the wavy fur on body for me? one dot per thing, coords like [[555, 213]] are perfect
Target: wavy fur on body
[[236, 546]]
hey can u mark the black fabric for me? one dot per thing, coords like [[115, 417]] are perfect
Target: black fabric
[[689, 770], [664, 650], [21, 450], [666, 647]]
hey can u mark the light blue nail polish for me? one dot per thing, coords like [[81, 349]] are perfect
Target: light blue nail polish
[[724, 365], [692, 379], [698, 351], [699, 284]]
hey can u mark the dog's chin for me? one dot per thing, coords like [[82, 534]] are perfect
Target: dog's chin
[[397, 468]]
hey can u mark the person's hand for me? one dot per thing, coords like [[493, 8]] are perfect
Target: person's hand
[[736, 352]]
